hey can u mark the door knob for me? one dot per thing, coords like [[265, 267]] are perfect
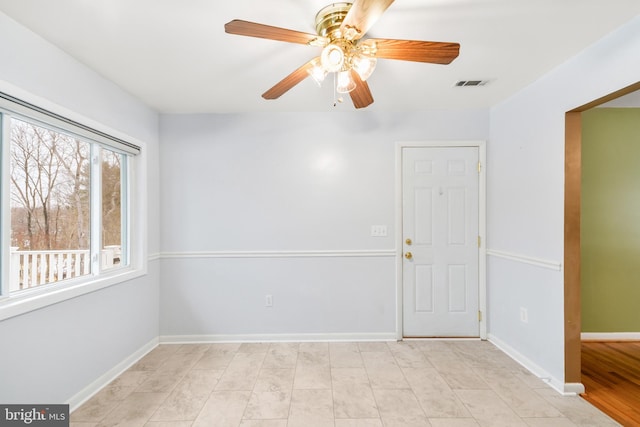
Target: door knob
[[408, 241], [408, 255]]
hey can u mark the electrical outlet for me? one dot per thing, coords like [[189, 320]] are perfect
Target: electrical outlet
[[524, 315], [268, 301]]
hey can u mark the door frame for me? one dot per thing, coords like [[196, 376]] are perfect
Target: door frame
[[482, 226], [572, 251]]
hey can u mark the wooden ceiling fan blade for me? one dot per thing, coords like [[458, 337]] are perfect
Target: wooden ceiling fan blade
[[361, 95], [361, 17], [290, 81], [253, 29], [415, 50]]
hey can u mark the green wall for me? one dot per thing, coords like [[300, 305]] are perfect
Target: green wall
[[610, 223]]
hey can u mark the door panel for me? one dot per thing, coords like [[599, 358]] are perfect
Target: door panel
[[440, 217], [424, 209], [424, 288]]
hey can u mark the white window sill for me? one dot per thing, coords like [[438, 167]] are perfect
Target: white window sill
[[29, 300]]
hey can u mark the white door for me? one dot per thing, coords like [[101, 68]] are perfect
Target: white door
[[440, 241]]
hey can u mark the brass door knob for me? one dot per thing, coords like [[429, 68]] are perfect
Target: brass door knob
[[408, 241], [408, 255]]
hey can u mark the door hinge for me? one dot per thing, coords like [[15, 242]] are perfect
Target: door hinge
[[479, 166], [479, 316], [479, 242]]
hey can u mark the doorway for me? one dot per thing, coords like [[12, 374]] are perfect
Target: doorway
[[573, 173], [441, 226]]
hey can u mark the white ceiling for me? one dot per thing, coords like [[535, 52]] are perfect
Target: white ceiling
[[175, 57]]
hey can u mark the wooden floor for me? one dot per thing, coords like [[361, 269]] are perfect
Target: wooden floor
[[611, 376]]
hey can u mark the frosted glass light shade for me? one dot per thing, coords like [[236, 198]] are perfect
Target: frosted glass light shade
[[364, 65], [345, 83], [317, 72]]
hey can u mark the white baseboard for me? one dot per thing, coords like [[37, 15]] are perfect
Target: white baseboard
[[610, 336], [573, 389], [364, 336], [566, 389], [104, 379]]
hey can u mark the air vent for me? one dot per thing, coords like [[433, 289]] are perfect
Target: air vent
[[461, 83]]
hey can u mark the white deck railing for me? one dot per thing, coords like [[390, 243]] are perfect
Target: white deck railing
[[34, 268]]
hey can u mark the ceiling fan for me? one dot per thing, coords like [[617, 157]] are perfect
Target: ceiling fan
[[340, 29]]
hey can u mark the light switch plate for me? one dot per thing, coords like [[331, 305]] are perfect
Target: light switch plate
[[378, 230]]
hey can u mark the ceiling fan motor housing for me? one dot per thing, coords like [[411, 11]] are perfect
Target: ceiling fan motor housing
[[329, 19]]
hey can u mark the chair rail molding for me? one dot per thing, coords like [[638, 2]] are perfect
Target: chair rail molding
[[282, 254], [525, 259]]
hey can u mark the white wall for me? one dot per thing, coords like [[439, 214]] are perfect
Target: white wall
[[51, 354], [525, 180], [282, 204]]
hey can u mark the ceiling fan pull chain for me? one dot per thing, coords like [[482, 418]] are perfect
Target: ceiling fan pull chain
[[336, 99]]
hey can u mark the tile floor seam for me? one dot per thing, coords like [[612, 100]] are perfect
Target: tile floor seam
[[333, 399], [201, 411], [293, 382], [409, 384], [364, 366], [244, 412], [208, 396]]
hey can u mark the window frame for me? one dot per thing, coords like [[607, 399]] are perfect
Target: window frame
[[133, 220]]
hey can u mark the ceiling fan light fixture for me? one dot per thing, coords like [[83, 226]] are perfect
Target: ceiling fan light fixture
[[317, 71], [340, 28], [332, 58], [345, 83], [364, 65]]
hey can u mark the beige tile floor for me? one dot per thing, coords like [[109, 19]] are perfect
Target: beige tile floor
[[366, 384]]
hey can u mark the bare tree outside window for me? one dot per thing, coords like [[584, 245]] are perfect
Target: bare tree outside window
[[111, 208], [50, 186]]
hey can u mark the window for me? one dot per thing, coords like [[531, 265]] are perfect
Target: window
[[65, 198]]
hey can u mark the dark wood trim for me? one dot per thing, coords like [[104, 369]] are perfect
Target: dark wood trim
[[572, 188], [615, 95]]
